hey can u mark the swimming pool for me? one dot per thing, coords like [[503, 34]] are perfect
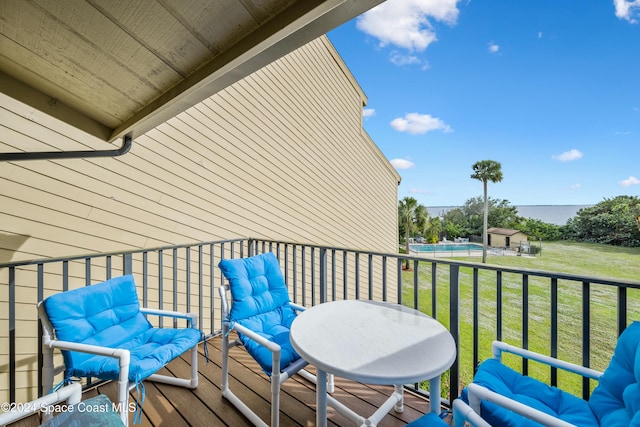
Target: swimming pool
[[446, 247]]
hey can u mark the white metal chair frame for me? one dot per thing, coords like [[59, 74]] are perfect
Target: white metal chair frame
[[462, 413], [277, 377], [478, 393], [71, 393], [49, 343]]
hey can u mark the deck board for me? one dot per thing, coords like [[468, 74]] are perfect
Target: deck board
[[167, 405]]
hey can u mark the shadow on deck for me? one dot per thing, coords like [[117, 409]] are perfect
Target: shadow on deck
[[171, 406]]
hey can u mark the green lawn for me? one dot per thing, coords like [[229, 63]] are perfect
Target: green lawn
[[563, 257]]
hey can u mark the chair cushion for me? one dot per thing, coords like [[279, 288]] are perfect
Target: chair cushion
[[260, 302], [505, 381], [616, 399], [149, 352], [108, 314], [428, 420]]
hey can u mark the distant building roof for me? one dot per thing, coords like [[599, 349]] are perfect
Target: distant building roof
[[504, 231]]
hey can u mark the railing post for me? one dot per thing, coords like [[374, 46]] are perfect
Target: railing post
[[454, 328], [295, 275], [554, 328], [399, 281], [499, 305], [525, 322], [175, 284], [476, 321], [384, 278], [357, 271], [12, 334], [434, 289], [127, 264], [212, 286], [416, 285], [333, 275], [370, 274], [201, 287], [323, 275], [313, 278], [40, 358], [622, 309], [345, 275], [586, 336], [108, 267]]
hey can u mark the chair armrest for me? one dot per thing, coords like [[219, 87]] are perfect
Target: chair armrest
[[297, 307], [478, 393], [117, 353], [500, 347], [270, 345], [71, 393], [463, 413], [191, 317]]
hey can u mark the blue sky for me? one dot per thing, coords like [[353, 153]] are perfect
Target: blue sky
[[548, 88]]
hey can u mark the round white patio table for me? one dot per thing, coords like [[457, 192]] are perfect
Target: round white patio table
[[373, 343]]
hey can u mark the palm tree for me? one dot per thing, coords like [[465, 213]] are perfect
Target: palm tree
[[413, 218], [486, 170]]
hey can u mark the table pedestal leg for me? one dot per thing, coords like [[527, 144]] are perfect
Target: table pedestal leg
[[434, 394], [321, 398], [399, 406]]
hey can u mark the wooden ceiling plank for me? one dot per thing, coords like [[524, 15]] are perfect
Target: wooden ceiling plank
[[51, 91], [128, 66], [263, 11], [81, 74], [154, 27], [116, 45], [218, 24]]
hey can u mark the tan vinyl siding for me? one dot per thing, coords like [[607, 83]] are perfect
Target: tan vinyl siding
[[280, 154]]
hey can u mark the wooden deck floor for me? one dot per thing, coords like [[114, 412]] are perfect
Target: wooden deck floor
[[166, 405], [172, 406]]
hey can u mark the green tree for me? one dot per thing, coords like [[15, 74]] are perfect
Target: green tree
[[501, 214], [540, 230], [485, 171], [413, 218], [434, 229], [612, 221], [456, 224]]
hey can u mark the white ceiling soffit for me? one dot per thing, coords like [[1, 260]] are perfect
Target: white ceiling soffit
[[116, 68]]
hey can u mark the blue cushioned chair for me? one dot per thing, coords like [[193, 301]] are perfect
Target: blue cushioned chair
[[261, 313], [504, 397], [103, 333]]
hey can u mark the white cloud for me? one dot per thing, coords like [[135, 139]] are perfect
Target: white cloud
[[575, 186], [400, 59], [417, 124], [632, 180], [368, 112], [406, 23], [493, 48], [627, 10], [418, 191], [401, 163], [568, 156], [539, 34]]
